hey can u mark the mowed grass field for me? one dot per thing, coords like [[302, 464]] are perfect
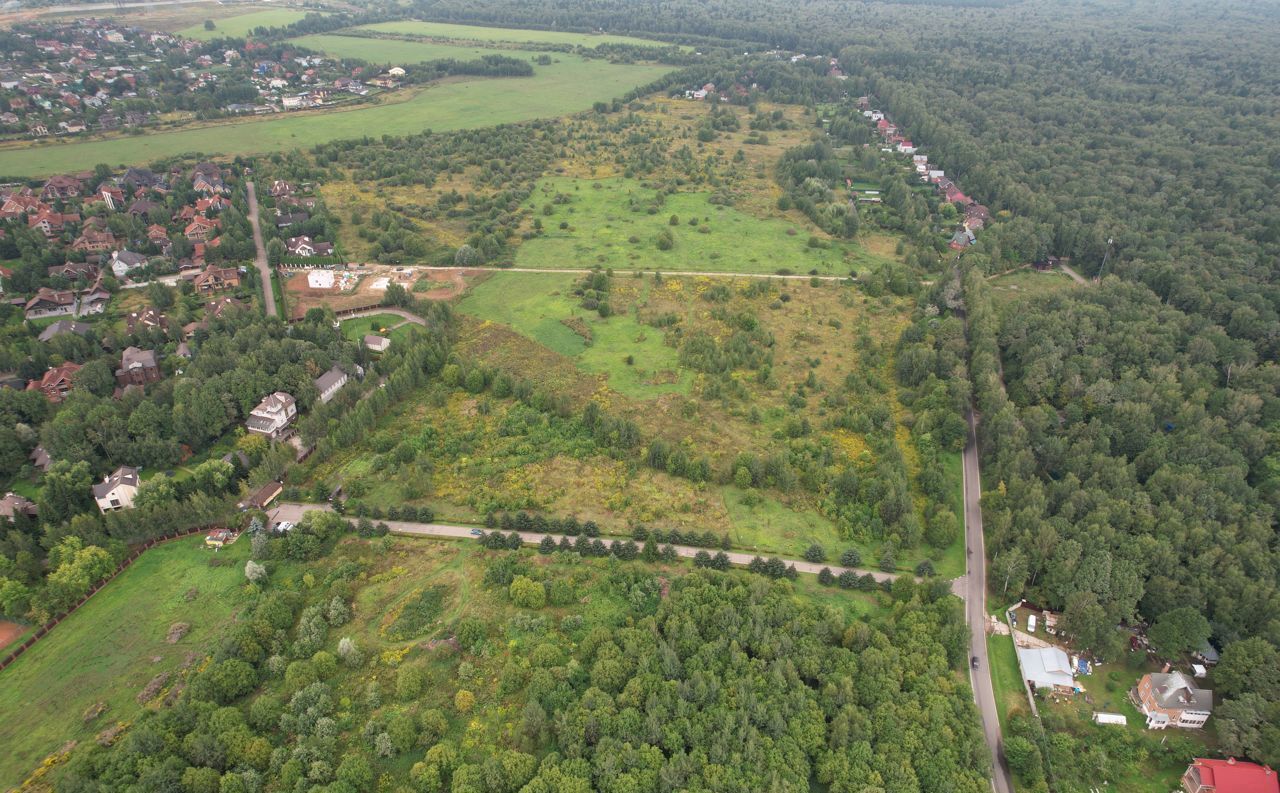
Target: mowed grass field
[[537, 306], [569, 86], [395, 51], [602, 217], [445, 30], [106, 651], [239, 26]]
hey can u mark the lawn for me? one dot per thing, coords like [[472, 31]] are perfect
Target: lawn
[[448, 31], [542, 307], [395, 51], [1006, 680], [109, 649], [569, 86], [602, 217], [239, 26]]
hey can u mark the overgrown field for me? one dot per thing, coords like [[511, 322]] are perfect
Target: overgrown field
[[444, 30], [567, 86], [240, 26], [109, 650], [672, 356], [396, 51]]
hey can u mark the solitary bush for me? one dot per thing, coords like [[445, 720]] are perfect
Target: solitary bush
[[527, 593]]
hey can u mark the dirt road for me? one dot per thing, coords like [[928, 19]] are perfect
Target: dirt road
[[260, 260]]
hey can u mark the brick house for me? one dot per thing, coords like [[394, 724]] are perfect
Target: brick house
[[56, 382], [1172, 700], [137, 367]]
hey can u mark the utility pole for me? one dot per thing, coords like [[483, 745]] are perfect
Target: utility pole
[[1105, 258]]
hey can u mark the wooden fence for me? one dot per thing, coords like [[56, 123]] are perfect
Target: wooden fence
[[346, 312], [44, 629]]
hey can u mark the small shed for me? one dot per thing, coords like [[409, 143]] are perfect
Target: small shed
[[263, 496], [217, 538], [1198, 670], [1109, 718]]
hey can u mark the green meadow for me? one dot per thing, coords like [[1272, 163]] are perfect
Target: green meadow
[[109, 650], [396, 51], [239, 26], [568, 86], [542, 307], [607, 222], [449, 31]]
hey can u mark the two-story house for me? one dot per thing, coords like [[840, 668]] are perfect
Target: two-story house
[[1172, 700], [273, 416], [137, 367], [117, 490]]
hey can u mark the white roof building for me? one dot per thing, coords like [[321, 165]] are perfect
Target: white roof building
[[1046, 667]]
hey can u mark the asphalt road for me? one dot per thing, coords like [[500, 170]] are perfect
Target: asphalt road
[[260, 260], [293, 512], [973, 589]]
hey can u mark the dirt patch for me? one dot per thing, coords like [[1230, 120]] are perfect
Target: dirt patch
[[435, 644], [9, 633], [191, 594], [440, 285], [176, 631], [150, 690], [579, 326], [94, 711], [110, 734]]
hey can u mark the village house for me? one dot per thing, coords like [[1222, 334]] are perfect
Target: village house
[[40, 459], [1171, 699], [273, 415], [61, 187], [146, 320], [50, 303], [330, 383], [961, 240], [137, 367], [93, 300], [304, 246], [201, 228], [123, 262], [74, 271], [51, 223], [376, 343], [56, 382], [1229, 776], [63, 326], [281, 188], [117, 490], [215, 279], [13, 505], [94, 241]]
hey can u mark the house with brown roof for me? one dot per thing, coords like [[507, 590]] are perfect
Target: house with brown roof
[[74, 271], [146, 320], [61, 187], [1172, 700], [51, 303], [1229, 776], [201, 228], [215, 279], [13, 505], [157, 233], [93, 300], [137, 367], [56, 382], [93, 241], [51, 223]]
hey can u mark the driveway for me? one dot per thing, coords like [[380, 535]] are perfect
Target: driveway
[[260, 260]]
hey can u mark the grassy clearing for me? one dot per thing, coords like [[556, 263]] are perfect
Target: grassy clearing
[[602, 218], [542, 307], [393, 51], [1006, 680], [449, 31], [1027, 283], [555, 90], [240, 26], [109, 649], [357, 328]]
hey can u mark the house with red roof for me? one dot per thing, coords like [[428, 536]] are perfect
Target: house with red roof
[[1229, 776]]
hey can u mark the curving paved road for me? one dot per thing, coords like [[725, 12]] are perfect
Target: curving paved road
[[293, 512], [260, 260]]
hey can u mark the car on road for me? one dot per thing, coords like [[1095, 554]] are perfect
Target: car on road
[[975, 662], [476, 532]]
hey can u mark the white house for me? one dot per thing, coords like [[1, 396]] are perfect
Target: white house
[[117, 491], [330, 383], [396, 71], [124, 261], [273, 415], [377, 343]]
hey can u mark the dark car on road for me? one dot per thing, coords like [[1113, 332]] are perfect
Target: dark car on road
[[975, 662]]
